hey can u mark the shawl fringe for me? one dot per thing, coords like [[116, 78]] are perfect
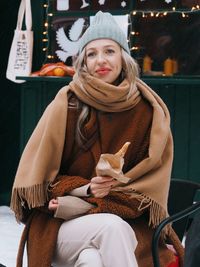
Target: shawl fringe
[[156, 212], [31, 197]]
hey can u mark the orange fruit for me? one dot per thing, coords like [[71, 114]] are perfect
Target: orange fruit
[[59, 72], [49, 73]]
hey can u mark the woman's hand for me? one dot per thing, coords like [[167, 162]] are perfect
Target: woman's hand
[[53, 204], [101, 186]]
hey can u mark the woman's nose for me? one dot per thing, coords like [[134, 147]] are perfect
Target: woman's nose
[[101, 57]]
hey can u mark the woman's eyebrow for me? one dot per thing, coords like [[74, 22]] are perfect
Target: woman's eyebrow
[[106, 46]]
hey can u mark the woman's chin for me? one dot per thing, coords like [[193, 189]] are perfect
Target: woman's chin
[[105, 79]]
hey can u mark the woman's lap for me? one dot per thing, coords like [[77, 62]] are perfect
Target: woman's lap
[[85, 232]]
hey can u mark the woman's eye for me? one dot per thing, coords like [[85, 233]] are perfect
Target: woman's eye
[[110, 51], [91, 54]]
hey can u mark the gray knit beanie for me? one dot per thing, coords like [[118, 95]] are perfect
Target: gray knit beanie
[[104, 26]]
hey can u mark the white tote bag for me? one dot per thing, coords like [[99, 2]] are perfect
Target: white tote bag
[[20, 57]]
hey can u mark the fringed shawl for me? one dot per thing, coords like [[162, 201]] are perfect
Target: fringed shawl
[[40, 161]]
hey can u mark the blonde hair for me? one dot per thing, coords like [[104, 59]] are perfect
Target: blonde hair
[[130, 71]]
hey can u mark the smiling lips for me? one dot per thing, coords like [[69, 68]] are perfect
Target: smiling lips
[[103, 71]]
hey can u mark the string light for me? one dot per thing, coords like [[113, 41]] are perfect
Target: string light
[[45, 39], [50, 56], [144, 14], [161, 13], [134, 33], [135, 48]]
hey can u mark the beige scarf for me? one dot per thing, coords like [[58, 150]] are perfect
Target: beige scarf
[[42, 155]]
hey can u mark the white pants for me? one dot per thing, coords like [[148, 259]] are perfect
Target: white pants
[[96, 240]]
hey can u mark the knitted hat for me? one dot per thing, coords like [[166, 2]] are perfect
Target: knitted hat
[[104, 26]]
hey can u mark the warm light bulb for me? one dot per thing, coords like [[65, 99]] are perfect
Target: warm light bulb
[[134, 48]]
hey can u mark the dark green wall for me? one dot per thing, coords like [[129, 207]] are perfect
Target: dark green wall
[[183, 103], [10, 92], [9, 103]]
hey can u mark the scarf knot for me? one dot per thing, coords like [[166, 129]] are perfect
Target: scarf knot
[[103, 96]]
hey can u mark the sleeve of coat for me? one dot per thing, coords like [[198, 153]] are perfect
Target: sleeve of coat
[[70, 207], [116, 203], [65, 184]]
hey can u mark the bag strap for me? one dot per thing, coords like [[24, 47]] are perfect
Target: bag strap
[[24, 9]]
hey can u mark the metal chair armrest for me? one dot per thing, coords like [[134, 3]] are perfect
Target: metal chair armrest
[[175, 217]]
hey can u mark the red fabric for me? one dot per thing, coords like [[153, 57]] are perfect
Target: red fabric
[[174, 264]]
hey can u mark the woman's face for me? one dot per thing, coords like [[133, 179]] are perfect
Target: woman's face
[[104, 60]]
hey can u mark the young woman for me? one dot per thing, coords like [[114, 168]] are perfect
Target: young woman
[[83, 203]]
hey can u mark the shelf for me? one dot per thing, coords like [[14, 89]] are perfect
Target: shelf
[[148, 79], [44, 79], [172, 80]]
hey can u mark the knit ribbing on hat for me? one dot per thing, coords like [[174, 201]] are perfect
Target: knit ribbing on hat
[[104, 26]]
